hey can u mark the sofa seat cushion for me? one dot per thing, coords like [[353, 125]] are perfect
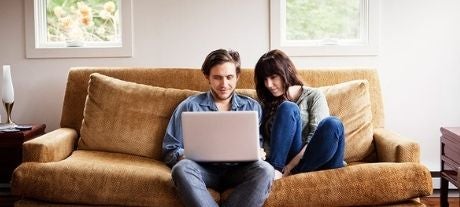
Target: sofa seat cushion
[[367, 184], [126, 117], [98, 178]]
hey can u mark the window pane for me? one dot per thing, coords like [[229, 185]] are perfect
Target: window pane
[[319, 19], [82, 21]]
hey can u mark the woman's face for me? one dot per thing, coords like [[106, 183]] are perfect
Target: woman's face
[[274, 84]]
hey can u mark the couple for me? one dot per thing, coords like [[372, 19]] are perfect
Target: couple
[[299, 135]]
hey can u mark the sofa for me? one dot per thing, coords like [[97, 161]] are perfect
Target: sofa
[[107, 150]]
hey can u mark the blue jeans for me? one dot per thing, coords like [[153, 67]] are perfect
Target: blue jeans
[[325, 150], [251, 182]]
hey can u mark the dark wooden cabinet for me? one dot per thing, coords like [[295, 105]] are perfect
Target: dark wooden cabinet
[[450, 160], [11, 149]]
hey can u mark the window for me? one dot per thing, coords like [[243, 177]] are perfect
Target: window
[[78, 28], [324, 28]]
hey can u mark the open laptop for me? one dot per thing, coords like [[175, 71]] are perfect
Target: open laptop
[[231, 136]]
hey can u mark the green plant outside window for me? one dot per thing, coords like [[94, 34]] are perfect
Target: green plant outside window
[[319, 19], [78, 21]]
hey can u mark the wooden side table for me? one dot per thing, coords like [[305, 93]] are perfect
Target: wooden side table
[[450, 160], [11, 149]]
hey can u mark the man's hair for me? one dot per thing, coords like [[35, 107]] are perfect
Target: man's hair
[[221, 56]]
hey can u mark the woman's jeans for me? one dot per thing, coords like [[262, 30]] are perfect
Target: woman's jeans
[[326, 147], [251, 182]]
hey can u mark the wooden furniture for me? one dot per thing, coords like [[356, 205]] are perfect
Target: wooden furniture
[[11, 149], [450, 160]]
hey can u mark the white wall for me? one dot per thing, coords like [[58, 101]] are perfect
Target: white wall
[[418, 60]]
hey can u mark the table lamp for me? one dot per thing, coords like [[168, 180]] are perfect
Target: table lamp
[[8, 94]]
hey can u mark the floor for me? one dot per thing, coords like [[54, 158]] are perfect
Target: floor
[[7, 200], [433, 200]]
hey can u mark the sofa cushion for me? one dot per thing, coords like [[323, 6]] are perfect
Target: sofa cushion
[[369, 184], [99, 178], [351, 103], [127, 117]]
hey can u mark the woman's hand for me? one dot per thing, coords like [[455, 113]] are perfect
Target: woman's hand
[[294, 162]]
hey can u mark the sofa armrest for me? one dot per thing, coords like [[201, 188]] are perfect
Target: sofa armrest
[[50, 147], [392, 147]]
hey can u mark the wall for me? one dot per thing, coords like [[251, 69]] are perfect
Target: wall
[[418, 59]]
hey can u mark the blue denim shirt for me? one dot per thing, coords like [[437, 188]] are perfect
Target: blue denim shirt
[[173, 144]]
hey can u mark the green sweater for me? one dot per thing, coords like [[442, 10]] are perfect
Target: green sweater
[[313, 108]]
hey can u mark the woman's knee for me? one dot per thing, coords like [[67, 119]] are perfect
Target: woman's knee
[[331, 124], [288, 107]]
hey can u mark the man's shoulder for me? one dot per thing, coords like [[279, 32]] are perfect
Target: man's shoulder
[[196, 97], [247, 100], [193, 100]]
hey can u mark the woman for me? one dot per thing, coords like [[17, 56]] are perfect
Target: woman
[[300, 135]]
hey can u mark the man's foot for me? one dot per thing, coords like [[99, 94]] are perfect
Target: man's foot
[[278, 175]]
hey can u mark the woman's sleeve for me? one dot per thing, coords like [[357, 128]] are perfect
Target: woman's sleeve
[[318, 110]]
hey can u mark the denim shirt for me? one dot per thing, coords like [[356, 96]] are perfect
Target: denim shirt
[[173, 144]]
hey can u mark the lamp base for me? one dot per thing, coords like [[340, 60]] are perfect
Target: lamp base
[[9, 108], [5, 126]]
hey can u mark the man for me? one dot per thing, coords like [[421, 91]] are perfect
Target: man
[[251, 180]]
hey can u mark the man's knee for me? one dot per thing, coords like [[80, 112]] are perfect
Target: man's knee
[[265, 170], [183, 168]]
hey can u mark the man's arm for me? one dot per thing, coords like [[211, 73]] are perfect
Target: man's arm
[[258, 108], [173, 144]]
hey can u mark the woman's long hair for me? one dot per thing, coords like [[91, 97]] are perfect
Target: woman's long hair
[[274, 62]]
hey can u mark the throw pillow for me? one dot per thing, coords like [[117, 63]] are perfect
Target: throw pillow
[[350, 101], [126, 117]]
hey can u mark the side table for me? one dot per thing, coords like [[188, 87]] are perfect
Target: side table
[[450, 160], [11, 149]]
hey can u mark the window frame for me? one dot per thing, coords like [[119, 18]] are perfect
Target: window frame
[[32, 22], [367, 47]]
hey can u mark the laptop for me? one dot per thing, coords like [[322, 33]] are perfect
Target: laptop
[[231, 136]]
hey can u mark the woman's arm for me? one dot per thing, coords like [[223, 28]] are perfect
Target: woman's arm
[[317, 110]]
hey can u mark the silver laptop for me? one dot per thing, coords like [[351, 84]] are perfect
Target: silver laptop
[[231, 136]]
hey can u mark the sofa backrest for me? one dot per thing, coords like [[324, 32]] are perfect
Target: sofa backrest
[[193, 79]]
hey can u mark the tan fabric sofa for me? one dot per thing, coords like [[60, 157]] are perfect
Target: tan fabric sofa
[[58, 170]]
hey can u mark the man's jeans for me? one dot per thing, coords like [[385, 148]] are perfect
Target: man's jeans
[[326, 147], [251, 182]]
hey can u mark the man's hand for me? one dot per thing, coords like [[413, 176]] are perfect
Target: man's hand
[[262, 153], [181, 158]]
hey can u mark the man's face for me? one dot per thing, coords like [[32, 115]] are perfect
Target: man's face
[[222, 79]]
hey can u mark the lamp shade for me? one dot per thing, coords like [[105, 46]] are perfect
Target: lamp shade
[[8, 91]]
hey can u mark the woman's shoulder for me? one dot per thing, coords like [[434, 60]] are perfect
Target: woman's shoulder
[[311, 91]]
